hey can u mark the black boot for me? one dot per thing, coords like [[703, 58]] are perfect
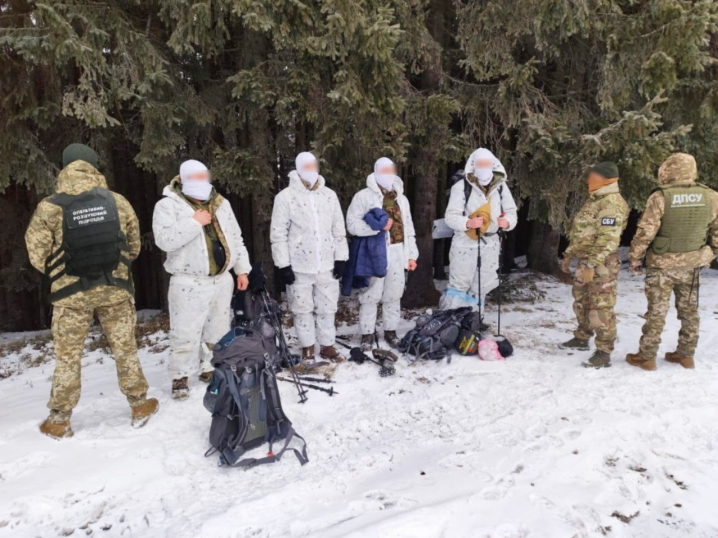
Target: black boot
[[391, 338], [578, 344]]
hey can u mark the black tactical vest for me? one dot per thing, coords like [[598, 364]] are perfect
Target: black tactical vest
[[93, 244]]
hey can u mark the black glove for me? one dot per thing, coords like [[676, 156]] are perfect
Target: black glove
[[339, 267], [287, 275]]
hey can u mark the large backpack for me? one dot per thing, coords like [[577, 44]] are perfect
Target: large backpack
[[243, 398], [93, 244], [435, 336]]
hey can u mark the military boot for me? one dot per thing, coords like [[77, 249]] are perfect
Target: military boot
[[142, 413], [331, 354], [579, 344], [635, 359], [308, 354], [675, 358], [367, 342], [56, 429], [599, 359], [180, 389], [206, 377], [391, 338]]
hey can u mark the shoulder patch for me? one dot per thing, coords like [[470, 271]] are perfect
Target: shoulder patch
[[608, 221]]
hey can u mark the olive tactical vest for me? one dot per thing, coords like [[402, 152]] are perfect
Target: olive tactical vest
[[686, 219], [93, 244]]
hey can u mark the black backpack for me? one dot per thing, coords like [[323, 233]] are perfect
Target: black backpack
[[435, 336], [243, 398], [93, 244]]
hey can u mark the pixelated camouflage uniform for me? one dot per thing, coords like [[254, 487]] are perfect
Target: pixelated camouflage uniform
[[594, 240], [72, 316], [676, 272]]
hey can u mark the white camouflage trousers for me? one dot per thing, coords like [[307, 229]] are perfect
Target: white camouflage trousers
[[314, 294], [463, 274], [387, 290], [200, 315]]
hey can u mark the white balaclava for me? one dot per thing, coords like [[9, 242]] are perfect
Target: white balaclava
[[194, 188], [385, 180], [484, 174], [303, 159]]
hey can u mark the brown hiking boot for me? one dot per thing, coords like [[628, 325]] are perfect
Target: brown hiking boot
[[635, 359], [308, 354], [206, 377], [56, 430], [142, 413], [599, 359], [331, 354], [180, 389], [391, 338], [578, 344], [367, 342], [675, 358]]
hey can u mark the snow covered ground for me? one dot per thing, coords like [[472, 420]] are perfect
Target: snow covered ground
[[533, 447]]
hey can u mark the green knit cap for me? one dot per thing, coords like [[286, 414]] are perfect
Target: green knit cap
[[79, 152], [606, 169]]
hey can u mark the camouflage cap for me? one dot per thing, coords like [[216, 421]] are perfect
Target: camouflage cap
[[678, 168]]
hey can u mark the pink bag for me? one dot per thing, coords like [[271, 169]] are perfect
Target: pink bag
[[489, 350]]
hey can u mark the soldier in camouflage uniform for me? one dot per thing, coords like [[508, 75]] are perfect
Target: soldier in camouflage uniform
[[678, 235], [77, 299], [594, 240]]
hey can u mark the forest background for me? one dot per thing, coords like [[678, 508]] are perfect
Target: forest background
[[550, 86]]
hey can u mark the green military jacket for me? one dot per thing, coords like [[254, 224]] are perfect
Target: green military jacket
[[597, 228], [44, 237]]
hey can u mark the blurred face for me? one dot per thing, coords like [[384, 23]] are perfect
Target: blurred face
[[594, 179], [388, 169], [483, 163], [311, 167], [199, 176]]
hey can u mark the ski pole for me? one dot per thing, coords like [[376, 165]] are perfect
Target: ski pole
[[283, 347], [329, 391], [315, 379]]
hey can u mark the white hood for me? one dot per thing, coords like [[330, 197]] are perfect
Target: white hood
[[498, 167]]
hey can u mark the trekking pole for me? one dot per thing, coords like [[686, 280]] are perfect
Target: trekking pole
[[478, 276], [502, 234], [329, 391], [283, 347], [315, 379]]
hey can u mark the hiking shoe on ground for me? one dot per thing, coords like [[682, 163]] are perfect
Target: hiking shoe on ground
[[367, 342], [635, 359], [675, 358], [56, 430], [331, 354], [142, 413], [391, 339], [180, 389], [206, 377], [308, 354], [578, 344], [599, 359]]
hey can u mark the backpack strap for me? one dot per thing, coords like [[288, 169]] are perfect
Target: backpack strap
[[467, 194]]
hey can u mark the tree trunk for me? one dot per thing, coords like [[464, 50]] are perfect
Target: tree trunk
[[543, 249]]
